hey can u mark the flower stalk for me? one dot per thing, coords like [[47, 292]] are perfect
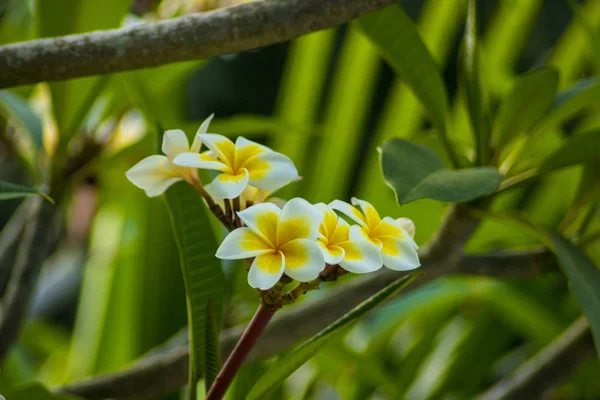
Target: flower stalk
[[240, 352]]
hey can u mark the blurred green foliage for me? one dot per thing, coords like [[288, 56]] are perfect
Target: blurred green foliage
[[529, 94]]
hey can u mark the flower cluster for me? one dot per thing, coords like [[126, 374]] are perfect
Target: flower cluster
[[300, 240]]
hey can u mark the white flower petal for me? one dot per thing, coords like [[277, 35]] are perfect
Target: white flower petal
[[332, 254], [358, 233], [201, 130], [408, 225], [360, 256], [262, 219], [372, 217], [303, 260], [266, 270], [270, 170], [399, 255], [389, 227], [298, 220], [219, 145], [195, 160], [153, 174], [174, 142], [226, 186], [348, 210], [242, 243], [161, 187], [243, 143]]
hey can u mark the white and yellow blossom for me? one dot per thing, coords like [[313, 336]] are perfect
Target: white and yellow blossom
[[156, 173], [241, 164], [356, 256], [282, 240], [397, 247]]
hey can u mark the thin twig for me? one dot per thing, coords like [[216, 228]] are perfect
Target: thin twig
[[191, 37], [236, 207]]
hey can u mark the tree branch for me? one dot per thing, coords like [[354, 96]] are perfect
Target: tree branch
[[161, 372], [548, 368], [204, 35]]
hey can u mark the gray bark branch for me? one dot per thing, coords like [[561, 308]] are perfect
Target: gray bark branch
[[548, 368], [192, 37], [166, 368]]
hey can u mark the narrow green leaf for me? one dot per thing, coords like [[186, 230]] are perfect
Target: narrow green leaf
[[283, 368], [353, 82], [9, 190], [569, 102], [472, 84], [415, 172], [399, 42], [531, 97], [34, 391], [202, 275], [212, 353], [18, 108], [584, 280], [580, 149]]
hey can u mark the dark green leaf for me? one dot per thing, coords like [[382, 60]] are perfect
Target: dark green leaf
[[202, 275], [415, 172], [571, 101], [18, 108], [9, 190], [580, 149], [399, 42], [531, 97], [34, 391], [212, 354], [283, 368], [472, 84], [584, 280]]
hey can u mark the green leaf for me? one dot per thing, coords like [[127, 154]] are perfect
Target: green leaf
[[202, 275], [400, 44], [34, 391], [584, 280], [415, 172], [580, 149], [472, 84], [212, 350], [283, 368], [18, 108], [531, 97], [9, 190], [569, 102]]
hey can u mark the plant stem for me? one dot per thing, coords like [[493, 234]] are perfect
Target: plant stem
[[241, 350]]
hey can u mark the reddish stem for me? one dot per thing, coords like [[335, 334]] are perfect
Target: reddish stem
[[233, 363]]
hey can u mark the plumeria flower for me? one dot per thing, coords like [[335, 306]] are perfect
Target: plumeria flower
[[156, 173], [281, 239], [397, 247], [241, 164], [356, 256]]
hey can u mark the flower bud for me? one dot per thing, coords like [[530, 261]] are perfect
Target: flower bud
[[408, 226]]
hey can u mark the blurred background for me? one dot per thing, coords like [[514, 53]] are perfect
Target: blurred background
[[113, 289]]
